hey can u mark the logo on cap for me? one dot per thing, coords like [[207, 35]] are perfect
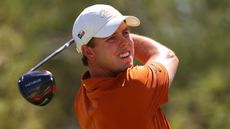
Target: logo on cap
[[81, 34], [105, 13]]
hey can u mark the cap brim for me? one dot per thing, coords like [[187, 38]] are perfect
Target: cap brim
[[110, 27], [132, 21]]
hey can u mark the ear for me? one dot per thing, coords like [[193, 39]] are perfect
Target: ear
[[88, 52]]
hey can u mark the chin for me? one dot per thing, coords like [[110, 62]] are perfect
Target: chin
[[128, 66]]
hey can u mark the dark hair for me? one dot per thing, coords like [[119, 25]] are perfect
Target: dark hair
[[84, 58]]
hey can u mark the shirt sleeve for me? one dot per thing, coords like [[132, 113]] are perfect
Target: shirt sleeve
[[153, 78]]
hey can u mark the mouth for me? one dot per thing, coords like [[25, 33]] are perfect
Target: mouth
[[124, 54]]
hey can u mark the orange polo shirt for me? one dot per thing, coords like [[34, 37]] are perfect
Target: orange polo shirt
[[131, 100]]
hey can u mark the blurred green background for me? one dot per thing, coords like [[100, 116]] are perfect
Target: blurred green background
[[197, 30]]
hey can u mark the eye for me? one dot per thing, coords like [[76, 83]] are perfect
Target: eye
[[126, 33], [111, 39]]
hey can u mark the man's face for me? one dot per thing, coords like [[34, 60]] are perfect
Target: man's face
[[114, 54]]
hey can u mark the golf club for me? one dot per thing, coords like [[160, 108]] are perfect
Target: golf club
[[38, 87]]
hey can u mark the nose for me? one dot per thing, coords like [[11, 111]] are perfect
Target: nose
[[123, 42]]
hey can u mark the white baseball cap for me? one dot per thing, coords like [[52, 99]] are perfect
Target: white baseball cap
[[98, 21]]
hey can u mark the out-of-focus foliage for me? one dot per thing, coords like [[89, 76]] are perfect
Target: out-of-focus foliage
[[197, 30]]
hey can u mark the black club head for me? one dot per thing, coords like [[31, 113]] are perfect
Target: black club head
[[38, 87]]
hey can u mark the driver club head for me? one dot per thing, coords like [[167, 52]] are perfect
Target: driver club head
[[37, 87]]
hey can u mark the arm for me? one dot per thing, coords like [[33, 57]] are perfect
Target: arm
[[148, 50]]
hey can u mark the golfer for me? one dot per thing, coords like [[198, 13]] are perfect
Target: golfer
[[115, 94]]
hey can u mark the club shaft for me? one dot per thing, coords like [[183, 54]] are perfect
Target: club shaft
[[67, 44]]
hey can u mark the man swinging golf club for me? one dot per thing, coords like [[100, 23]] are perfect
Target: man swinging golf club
[[115, 94]]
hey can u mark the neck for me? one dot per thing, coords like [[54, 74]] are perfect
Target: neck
[[100, 72]]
